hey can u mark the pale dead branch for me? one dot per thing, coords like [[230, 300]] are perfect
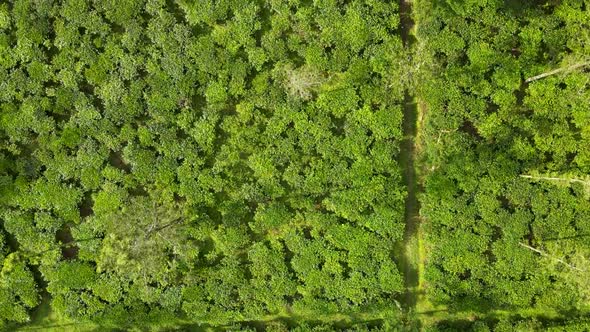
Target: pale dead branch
[[557, 71], [544, 254], [548, 178]]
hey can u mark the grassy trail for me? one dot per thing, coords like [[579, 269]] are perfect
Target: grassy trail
[[410, 256], [411, 261]]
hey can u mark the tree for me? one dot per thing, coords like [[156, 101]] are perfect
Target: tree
[[301, 82], [143, 240], [18, 289], [182, 161]]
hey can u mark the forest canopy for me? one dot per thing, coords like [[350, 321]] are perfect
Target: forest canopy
[[507, 187], [208, 161], [303, 165]]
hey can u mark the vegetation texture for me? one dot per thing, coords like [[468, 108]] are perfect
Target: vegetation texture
[[304, 165]]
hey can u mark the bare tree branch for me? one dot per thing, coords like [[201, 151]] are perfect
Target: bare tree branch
[[557, 71], [555, 179], [542, 253], [174, 222]]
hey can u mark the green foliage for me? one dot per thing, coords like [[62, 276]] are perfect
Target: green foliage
[[18, 289], [239, 163], [505, 199], [138, 237], [167, 161]]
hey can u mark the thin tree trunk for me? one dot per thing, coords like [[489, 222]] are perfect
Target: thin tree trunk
[[557, 71], [174, 222], [555, 179], [542, 253]]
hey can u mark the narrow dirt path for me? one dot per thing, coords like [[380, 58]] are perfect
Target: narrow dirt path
[[411, 259], [412, 206], [406, 23]]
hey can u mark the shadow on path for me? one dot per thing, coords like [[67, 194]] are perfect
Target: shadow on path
[[410, 258]]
